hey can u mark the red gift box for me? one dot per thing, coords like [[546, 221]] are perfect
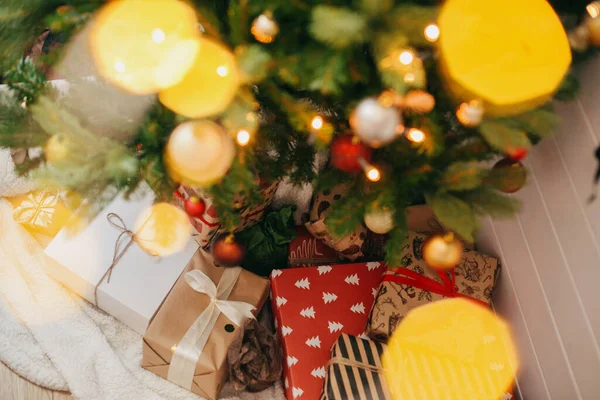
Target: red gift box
[[313, 307], [307, 251]]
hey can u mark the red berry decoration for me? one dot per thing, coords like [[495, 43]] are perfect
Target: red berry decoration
[[226, 251], [194, 207], [518, 154], [346, 150], [508, 175]]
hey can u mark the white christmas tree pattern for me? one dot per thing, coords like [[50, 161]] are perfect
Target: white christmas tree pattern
[[276, 272], [358, 308], [329, 297], [374, 291], [352, 279], [373, 265], [286, 383], [335, 326], [280, 301], [308, 312], [291, 361], [363, 336], [303, 284], [297, 392], [314, 342], [286, 330], [319, 372], [323, 269]]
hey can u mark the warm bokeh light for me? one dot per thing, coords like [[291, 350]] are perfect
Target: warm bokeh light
[[243, 137], [373, 174], [593, 9], [410, 77], [162, 229], [415, 135], [432, 32], [406, 57], [317, 122]]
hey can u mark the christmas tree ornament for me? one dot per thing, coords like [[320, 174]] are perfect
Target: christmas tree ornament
[[198, 153], [380, 220], [265, 28], [419, 101], [432, 33], [162, 229], [508, 175], [144, 46], [416, 135], [511, 70], [209, 85], [375, 124], [593, 28], [442, 250], [467, 337], [579, 38], [226, 251], [56, 149], [470, 114], [518, 154], [593, 9], [194, 206], [346, 151]]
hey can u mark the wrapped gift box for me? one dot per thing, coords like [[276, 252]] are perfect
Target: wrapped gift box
[[180, 313], [313, 307], [139, 282], [355, 371], [208, 225], [307, 251], [415, 284]]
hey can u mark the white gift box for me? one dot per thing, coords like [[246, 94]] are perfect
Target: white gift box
[[139, 281]]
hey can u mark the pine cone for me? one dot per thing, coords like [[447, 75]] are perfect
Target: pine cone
[[419, 101]]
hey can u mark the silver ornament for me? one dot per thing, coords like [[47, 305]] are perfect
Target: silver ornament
[[375, 124], [380, 221]]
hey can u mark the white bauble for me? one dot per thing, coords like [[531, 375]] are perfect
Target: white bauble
[[375, 124], [380, 221]]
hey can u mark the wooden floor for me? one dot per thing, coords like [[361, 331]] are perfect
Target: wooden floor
[[13, 387]]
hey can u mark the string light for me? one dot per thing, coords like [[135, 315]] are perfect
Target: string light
[[243, 137], [373, 174], [593, 9], [317, 122], [406, 57], [415, 135], [432, 32], [222, 71]]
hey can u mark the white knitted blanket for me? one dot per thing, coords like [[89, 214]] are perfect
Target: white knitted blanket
[[55, 339]]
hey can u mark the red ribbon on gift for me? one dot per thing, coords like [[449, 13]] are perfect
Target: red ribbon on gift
[[446, 288]]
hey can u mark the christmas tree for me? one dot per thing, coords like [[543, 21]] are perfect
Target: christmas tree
[[410, 101]]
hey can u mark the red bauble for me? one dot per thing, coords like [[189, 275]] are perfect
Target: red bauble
[[194, 207], [518, 154], [226, 251], [346, 150]]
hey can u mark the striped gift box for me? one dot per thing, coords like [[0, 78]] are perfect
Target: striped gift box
[[355, 371]]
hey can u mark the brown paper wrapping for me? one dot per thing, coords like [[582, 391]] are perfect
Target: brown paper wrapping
[[476, 276], [422, 219], [349, 247], [179, 311]]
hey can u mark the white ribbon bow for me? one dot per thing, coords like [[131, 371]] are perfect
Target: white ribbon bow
[[187, 353]]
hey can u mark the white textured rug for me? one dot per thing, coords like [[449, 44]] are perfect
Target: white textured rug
[[53, 338]]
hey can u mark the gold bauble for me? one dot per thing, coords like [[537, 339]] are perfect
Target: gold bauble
[[442, 251], [265, 28], [451, 349], [380, 221], [593, 28], [144, 46], [199, 153], [470, 114], [56, 149], [511, 54], [209, 86], [419, 101], [162, 229]]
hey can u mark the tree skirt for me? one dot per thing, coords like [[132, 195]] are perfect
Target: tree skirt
[[55, 339]]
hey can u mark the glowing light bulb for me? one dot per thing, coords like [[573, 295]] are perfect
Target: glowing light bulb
[[432, 32], [373, 174], [415, 135], [158, 35], [317, 122], [406, 57], [593, 9], [243, 137], [222, 71]]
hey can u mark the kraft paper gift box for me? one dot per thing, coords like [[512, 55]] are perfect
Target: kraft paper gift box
[[355, 371], [414, 284], [139, 281], [174, 325]]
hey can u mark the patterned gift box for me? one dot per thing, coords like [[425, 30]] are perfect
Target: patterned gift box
[[414, 284], [307, 251], [207, 226], [355, 371], [313, 306]]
